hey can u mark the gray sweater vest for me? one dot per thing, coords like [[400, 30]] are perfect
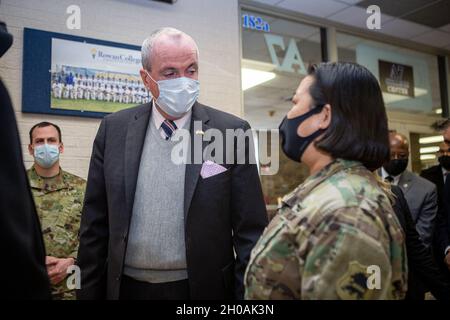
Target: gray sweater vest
[[156, 249]]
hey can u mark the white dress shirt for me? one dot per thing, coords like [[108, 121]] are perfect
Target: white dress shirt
[[444, 173], [384, 175], [158, 119]]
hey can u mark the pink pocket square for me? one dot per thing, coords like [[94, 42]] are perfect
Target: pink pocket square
[[210, 169]]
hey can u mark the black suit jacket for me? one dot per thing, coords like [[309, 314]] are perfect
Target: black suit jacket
[[442, 232], [24, 275], [434, 174], [222, 213], [423, 272]]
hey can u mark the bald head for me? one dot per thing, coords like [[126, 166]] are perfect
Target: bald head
[[164, 40], [168, 54], [399, 145]]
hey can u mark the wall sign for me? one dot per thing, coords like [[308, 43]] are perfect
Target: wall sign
[[255, 23], [396, 78], [292, 60]]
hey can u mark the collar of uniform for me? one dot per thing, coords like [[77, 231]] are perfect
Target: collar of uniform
[[46, 184], [313, 181]]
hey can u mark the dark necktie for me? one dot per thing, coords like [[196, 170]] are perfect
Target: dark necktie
[[169, 127]]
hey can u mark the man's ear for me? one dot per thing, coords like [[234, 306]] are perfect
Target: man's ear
[[149, 83], [145, 78], [61, 148], [325, 117], [30, 149]]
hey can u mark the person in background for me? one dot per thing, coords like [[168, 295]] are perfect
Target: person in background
[[423, 273], [439, 176], [23, 271], [59, 199], [420, 194], [339, 222], [444, 225], [153, 228]]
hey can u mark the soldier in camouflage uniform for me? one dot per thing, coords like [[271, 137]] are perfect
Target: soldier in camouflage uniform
[[325, 236], [58, 196], [336, 235]]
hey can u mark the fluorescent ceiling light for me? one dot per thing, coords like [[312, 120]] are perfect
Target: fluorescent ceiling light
[[433, 139], [427, 157], [429, 149], [252, 78]]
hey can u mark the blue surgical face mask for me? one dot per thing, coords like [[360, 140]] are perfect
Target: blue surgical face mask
[[177, 96], [46, 155]]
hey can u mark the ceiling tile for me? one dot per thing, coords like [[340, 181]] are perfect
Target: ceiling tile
[[318, 8], [434, 38], [403, 29], [396, 8], [357, 17], [435, 15]]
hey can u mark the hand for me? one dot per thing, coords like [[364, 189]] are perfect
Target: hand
[[447, 259], [57, 268]]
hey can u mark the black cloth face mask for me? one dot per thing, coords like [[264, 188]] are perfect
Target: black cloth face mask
[[291, 143], [396, 166]]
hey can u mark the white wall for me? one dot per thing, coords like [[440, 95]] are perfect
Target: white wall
[[214, 24]]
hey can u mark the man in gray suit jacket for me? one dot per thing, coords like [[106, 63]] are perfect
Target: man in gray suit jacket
[[420, 194], [156, 228]]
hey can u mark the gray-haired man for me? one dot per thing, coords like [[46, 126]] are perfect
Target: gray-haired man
[[154, 229]]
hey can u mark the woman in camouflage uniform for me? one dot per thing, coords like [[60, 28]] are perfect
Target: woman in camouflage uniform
[[336, 235]]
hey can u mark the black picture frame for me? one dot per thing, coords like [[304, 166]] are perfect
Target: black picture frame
[[36, 74]]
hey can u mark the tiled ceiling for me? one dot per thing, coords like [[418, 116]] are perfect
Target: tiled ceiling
[[432, 13], [422, 21]]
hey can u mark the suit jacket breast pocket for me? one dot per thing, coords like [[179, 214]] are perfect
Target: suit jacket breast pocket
[[215, 189], [218, 179]]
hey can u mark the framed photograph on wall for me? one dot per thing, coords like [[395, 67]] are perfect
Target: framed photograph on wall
[[77, 76]]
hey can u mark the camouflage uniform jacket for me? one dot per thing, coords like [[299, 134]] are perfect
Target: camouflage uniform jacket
[[326, 237], [59, 202]]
